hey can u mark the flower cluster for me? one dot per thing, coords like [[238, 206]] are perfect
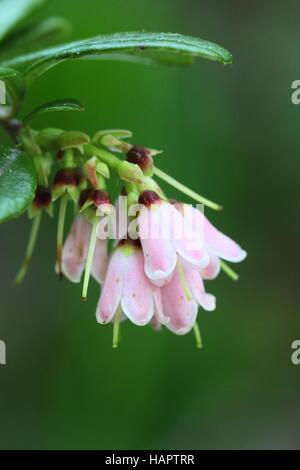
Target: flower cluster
[[163, 249]]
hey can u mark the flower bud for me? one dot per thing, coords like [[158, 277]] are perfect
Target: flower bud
[[148, 198], [141, 157], [67, 179], [48, 138], [42, 200], [73, 139], [130, 172], [97, 198], [95, 171]]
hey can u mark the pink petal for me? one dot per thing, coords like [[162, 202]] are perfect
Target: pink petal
[[155, 323], [222, 245], [136, 301], [206, 301], [212, 270], [99, 265], [160, 256], [75, 249], [187, 242], [112, 287], [158, 306], [182, 312], [121, 218]]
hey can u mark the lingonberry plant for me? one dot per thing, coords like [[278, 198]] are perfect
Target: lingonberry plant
[[156, 279]]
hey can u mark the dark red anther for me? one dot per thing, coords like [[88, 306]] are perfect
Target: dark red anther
[[140, 156], [42, 197], [68, 177], [148, 198], [100, 197]]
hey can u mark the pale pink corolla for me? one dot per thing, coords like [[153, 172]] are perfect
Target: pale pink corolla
[[163, 238], [217, 244], [126, 287], [180, 303], [75, 251]]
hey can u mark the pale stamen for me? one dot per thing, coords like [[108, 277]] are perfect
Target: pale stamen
[[197, 336], [116, 329], [230, 272]]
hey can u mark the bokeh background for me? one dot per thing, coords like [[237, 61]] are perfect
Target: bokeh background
[[231, 133]]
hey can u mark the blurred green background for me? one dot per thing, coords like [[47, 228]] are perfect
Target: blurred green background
[[231, 133]]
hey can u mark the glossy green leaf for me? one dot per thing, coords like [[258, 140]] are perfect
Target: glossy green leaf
[[15, 91], [33, 36], [150, 48], [17, 182], [13, 12], [67, 104]]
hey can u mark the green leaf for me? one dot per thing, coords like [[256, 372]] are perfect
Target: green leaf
[[13, 12], [67, 104], [15, 90], [34, 36], [17, 182], [150, 48]]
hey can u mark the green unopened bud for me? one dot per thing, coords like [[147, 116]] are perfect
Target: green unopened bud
[[48, 138], [111, 136], [102, 169], [73, 139], [130, 172], [96, 171]]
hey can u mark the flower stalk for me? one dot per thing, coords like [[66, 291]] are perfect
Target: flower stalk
[[60, 231], [185, 190], [30, 247], [89, 262]]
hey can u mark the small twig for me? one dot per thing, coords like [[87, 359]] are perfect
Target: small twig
[[12, 127]]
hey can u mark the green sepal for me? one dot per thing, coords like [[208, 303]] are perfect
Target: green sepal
[[74, 192], [130, 172], [96, 171], [149, 184]]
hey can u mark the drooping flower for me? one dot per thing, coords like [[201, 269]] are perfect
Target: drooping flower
[[75, 251], [126, 288], [164, 238], [181, 298], [218, 245]]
